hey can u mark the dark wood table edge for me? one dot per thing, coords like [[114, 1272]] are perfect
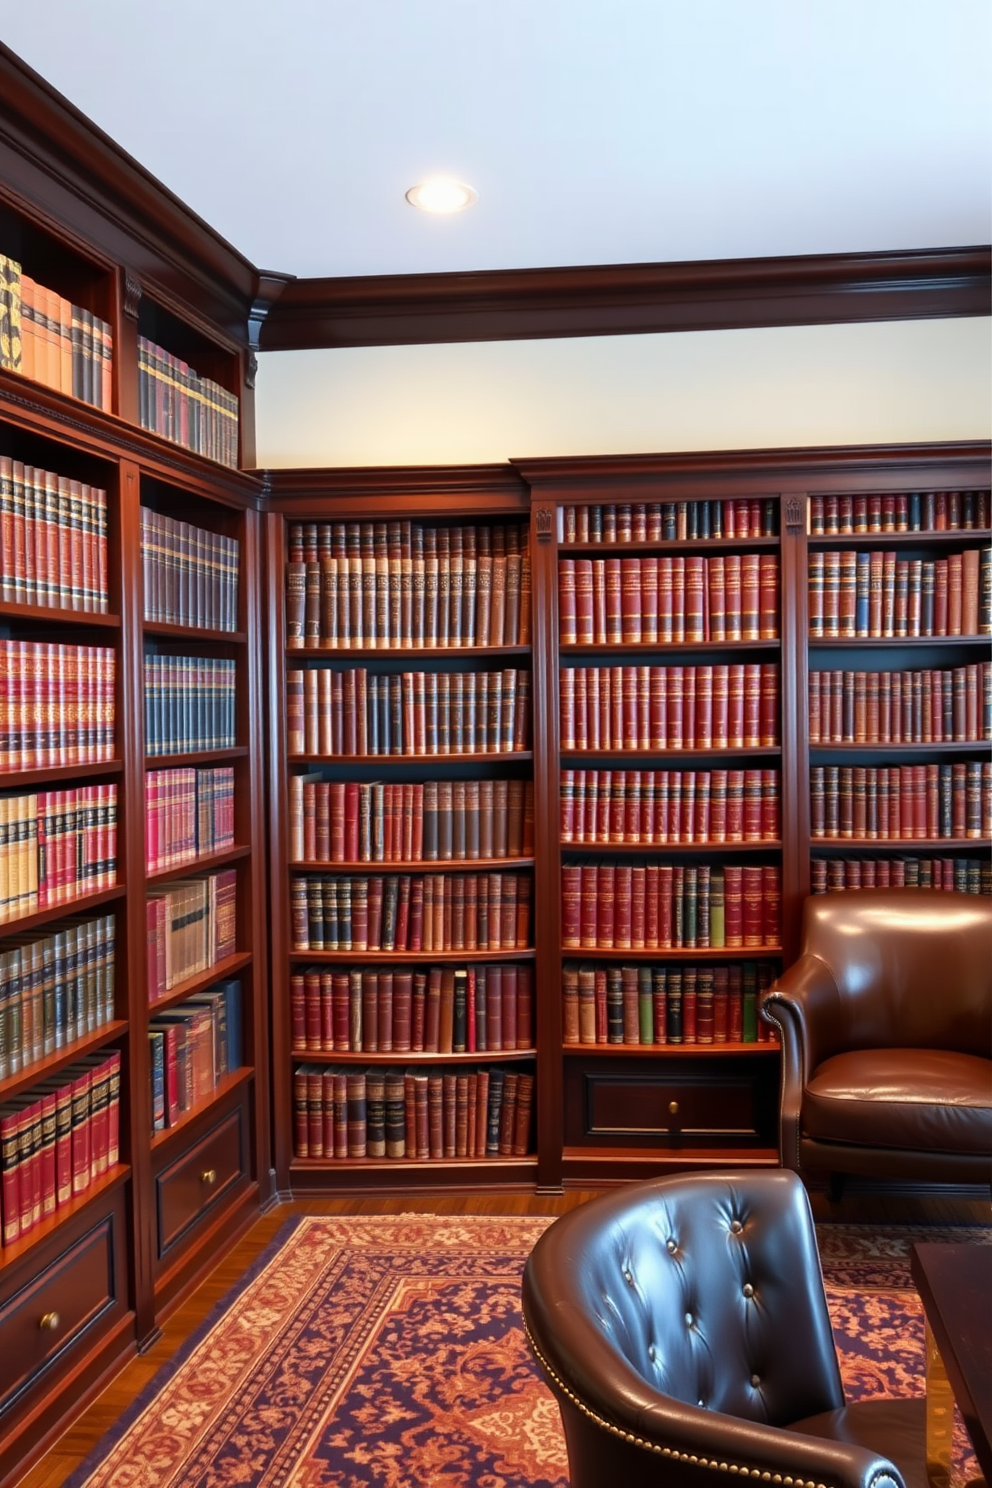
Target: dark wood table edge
[[977, 1415]]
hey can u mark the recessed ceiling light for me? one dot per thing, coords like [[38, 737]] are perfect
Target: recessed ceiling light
[[440, 195]]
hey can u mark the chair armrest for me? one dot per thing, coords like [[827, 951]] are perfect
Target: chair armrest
[[805, 1007], [646, 1438]]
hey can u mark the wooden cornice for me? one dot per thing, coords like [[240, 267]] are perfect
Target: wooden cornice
[[962, 463], [371, 491], [84, 185], [624, 299]]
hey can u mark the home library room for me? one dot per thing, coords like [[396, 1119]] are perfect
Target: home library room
[[133, 1031], [490, 852]]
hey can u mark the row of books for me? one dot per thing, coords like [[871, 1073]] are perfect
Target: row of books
[[56, 846], [56, 704], [418, 603], [55, 989], [309, 542], [669, 521], [191, 926], [190, 574], [411, 912], [657, 707], [192, 1047], [666, 906], [46, 337], [922, 707], [443, 1010], [189, 813], [409, 713], [336, 821], [669, 806], [878, 595], [57, 1140], [648, 1004], [916, 511], [424, 1116], [961, 875], [901, 802], [656, 601], [189, 704], [193, 411], [53, 539]]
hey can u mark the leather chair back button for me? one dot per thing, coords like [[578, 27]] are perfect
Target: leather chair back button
[[755, 1380], [671, 1247], [735, 1227], [688, 1319], [748, 1289]]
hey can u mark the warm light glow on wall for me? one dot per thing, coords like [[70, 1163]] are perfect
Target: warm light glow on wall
[[442, 196]]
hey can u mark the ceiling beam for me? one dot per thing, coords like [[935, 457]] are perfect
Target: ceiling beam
[[626, 299]]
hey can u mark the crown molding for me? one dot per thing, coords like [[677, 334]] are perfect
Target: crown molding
[[625, 299]]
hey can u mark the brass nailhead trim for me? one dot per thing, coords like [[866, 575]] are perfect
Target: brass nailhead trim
[[672, 1452]]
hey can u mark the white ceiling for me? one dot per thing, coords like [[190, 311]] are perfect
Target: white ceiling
[[595, 131]]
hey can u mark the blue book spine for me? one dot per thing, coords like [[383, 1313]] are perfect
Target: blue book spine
[[862, 581]]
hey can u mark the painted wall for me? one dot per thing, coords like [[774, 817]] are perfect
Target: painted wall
[[739, 389]]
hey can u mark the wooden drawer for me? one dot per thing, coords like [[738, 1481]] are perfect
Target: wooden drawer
[[192, 1183], [65, 1300], [659, 1107]]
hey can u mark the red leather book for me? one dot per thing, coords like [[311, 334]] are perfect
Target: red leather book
[[695, 598], [771, 892], [614, 581], [665, 600], [768, 606], [652, 928], [622, 916], [585, 634], [678, 598], [733, 596], [666, 884], [733, 905], [753, 912], [638, 899], [721, 1000]]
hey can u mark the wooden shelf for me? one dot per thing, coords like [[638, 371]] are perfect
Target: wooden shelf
[[82, 905], [667, 545], [223, 1088], [50, 1064], [594, 649], [11, 1254], [873, 643], [971, 746], [377, 761], [413, 1057], [447, 865], [672, 1051], [203, 979], [55, 775], [964, 537], [576, 758], [195, 866], [192, 633], [196, 757], [951, 845], [50, 615], [431, 654], [653, 849], [418, 958], [672, 953]]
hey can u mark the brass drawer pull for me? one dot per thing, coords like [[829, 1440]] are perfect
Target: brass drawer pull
[[209, 1177], [49, 1321], [673, 1108]]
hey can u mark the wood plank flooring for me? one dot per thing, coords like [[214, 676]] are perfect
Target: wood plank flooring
[[67, 1453]]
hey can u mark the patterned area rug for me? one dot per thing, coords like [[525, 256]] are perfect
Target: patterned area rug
[[389, 1352]]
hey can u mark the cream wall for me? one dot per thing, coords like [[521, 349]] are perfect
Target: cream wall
[[490, 401]]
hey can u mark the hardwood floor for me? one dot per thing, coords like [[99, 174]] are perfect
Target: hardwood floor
[[70, 1450]]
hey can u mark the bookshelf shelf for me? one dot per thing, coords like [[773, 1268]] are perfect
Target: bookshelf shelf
[[53, 774], [431, 655], [418, 958], [194, 867], [49, 615], [81, 905], [198, 757], [671, 545], [446, 865], [229, 967], [467, 1174], [671, 953], [659, 649], [673, 757], [972, 746], [375, 762], [11, 1255], [676, 1052], [956, 537], [171, 1134], [900, 844], [413, 1057], [656, 849], [50, 1064], [193, 633], [890, 643]]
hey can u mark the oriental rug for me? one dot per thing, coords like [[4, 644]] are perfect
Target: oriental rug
[[388, 1352]]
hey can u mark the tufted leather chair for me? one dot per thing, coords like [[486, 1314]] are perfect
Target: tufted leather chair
[[886, 1023], [682, 1327]]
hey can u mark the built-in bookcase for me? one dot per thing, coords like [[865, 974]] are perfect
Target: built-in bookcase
[[406, 978], [106, 1220]]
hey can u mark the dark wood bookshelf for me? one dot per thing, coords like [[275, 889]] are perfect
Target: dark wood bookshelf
[[413, 1057], [196, 867]]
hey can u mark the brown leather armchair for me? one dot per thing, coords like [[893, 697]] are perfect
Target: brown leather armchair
[[886, 1024], [682, 1327]]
